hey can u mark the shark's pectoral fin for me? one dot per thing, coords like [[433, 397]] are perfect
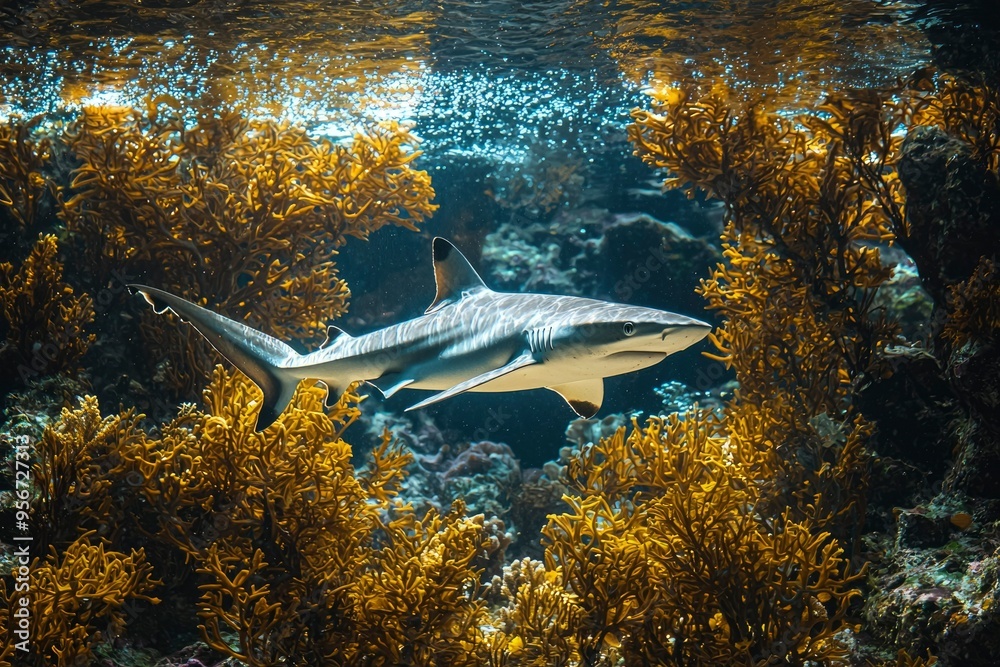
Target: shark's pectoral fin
[[520, 361], [390, 383], [585, 396]]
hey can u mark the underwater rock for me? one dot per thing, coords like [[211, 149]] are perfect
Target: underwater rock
[[582, 432], [914, 406], [526, 255], [645, 261], [918, 528], [977, 464], [630, 258], [942, 600], [953, 208]]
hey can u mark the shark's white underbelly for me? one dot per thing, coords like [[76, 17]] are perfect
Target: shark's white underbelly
[[543, 374]]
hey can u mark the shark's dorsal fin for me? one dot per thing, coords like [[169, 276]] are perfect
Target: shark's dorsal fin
[[332, 334], [453, 275], [584, 396]]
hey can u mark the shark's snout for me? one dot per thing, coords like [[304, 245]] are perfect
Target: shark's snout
[[683, 336]]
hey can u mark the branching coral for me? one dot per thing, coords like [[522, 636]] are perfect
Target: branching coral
[[77, 598], [244, 216], [23, 158], [808, 201], [537, 626], [672, 563], [966, 111], [293, 539], [418, 600], [734, 523], [42, 319], [805, 202], [297, 556], [83, 480]]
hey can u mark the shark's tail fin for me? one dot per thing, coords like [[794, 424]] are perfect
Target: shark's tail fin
[[260, 357]]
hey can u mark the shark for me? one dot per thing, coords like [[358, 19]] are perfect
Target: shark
[[470, 339]]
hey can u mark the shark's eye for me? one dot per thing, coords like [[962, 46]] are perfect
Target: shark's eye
[[628, 328]]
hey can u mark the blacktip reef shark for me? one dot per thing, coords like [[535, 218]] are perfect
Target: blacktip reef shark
[[469, 339]]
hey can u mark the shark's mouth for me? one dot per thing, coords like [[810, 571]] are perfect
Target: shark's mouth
[[626, 362]]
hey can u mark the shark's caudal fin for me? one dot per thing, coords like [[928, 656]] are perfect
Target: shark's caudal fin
[[259, 356]]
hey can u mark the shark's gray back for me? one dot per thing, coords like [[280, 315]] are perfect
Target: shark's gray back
[[484, 318]]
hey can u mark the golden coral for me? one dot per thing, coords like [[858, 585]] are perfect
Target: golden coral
[[735, 523], [298, 556], [537, 626], [418, 598], [672, 563], [301, 559], [24, 156], [904, 659], [83, 481], [78, 598], [805, 202], [43, 319], [244, 216], [965, 110]]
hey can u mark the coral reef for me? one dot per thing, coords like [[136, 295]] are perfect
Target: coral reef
[[536, 620], [42, 319], [670, 564], [537, 185], [798, 283], [631, 258], [293, 551], [243, 216], [77, 599]]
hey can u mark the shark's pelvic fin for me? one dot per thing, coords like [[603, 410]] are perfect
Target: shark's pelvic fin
[[453, 275], [256, 354], [520, 361], [390, 383], [585, 396]]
